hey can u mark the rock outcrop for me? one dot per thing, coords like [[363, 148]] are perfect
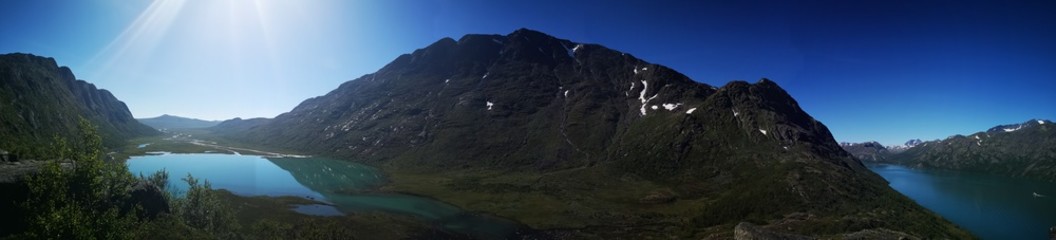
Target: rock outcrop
[[151, 198], [748, 231]]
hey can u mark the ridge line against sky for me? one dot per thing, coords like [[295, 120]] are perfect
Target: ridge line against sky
[[870, 70]]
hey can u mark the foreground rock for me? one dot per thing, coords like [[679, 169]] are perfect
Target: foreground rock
[[151, 198], [879, 234], [13, 172], [748, 231]]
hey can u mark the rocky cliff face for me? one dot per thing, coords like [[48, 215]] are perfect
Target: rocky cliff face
[[572, 118], [39, 100]]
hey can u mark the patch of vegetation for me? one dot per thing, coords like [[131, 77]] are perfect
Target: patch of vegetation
[[273, 218], [595, 203], [82, 201], [89, 198], [161, 144]]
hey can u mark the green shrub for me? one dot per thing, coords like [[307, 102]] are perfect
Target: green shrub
[[81, 201], [201, 209], [78, 195]]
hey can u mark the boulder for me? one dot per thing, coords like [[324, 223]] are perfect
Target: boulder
[[748, 231], [878, 234], [657, 197], [151, 198]]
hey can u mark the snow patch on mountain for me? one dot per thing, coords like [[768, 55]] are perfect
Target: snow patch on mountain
[[671, 106], [641, 96]]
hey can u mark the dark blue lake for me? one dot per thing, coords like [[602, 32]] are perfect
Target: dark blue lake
[[991, 207]]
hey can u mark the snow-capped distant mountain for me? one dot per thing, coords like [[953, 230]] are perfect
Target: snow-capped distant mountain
[[909, 144], [866, 151]]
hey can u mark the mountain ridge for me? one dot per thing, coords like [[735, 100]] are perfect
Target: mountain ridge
[[554, 122], [1018, 150], [1026, 149], [166, 121], [40, 99]]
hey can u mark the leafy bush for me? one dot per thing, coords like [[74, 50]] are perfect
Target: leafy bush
[[201, 209], [160, 178], [78, 195], [81, 201]]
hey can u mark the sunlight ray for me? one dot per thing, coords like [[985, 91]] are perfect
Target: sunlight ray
[[141, 37], [268, 37]]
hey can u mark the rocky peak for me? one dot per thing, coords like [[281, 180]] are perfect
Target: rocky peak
[[767, 108], [1016, 127]]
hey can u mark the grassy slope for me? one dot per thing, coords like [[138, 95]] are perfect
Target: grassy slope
[[602, 205], [251, 210]]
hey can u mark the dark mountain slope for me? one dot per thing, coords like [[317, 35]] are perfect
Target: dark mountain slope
[[562, 135], [39, 100], [176, 122], [1026, 150]]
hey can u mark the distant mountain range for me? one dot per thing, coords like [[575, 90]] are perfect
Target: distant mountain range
[[176, 122], [564, 135], [867, 151], [875, 152], [909, 144], [1025, 149], [238, 125], [40, 100]]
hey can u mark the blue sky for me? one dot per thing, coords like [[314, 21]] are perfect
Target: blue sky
[[870, 70]]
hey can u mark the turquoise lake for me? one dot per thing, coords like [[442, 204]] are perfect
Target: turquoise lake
[[991, 207], [344, 185]]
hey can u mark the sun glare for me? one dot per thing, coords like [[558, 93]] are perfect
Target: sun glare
[[234, 33], [141, 37]]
